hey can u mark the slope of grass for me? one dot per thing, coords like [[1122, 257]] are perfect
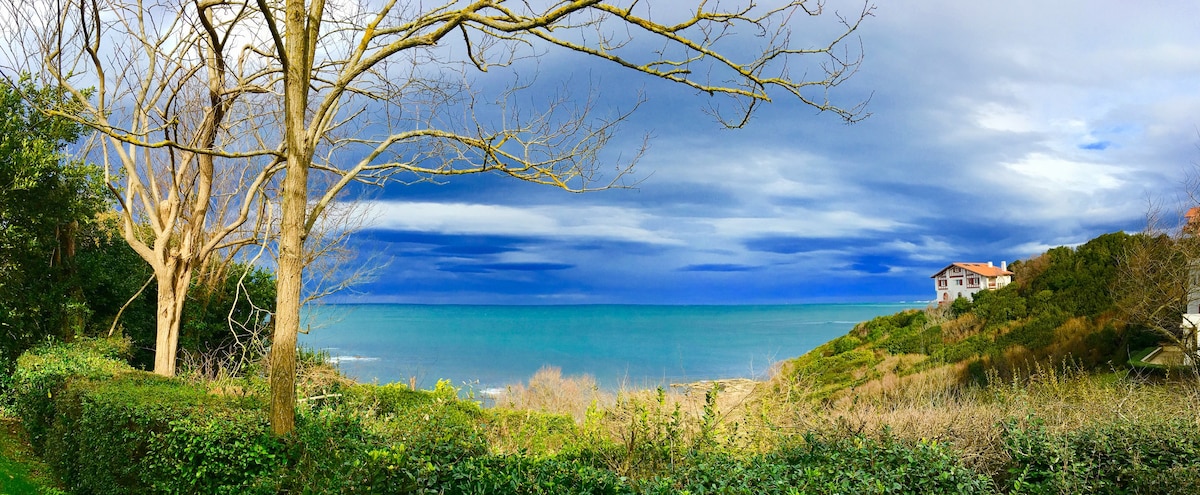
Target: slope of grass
[[20, 471]]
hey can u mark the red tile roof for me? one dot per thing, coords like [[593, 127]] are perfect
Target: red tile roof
[[978, 268]]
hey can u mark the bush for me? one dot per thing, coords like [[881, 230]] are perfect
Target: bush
[[927, 342], [1035, 333], [523, 475], [384, 400], [846, 465], [845, 344], [1116, 457], [105, 428], [168, 436], [968, 348], [43, 372], [959, 307], [385, 439], [331, 451], [529, 431]]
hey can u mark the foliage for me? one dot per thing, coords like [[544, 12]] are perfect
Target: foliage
[[1059, 307], [65, 271], [44, 201], [960, 306], [110, 274], [171, 437], [1081, 278], [20, 471], [82, 408], [831, 371], [228, 318], [43, 372], [999, 307], [841, 465], [226, 321], [1114, 457], [529, 431], [114, 430], [516, 474]]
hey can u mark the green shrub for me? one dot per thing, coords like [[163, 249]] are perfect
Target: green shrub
[[959, 307], [846, 465], [524, 475], [105, 428], [845, 343], [997, 307], [1034, 334], [385, 400], [331, 451], [927, 341], [1115, 457], [384, 439], [43, 372], [962, 350], [530, 431], [142, 433]]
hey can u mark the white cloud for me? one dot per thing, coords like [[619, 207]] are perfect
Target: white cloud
[[926, 248], [802, 222], [1063, 175], [555, 221]]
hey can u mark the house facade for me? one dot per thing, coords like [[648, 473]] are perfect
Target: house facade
[[965, 279]]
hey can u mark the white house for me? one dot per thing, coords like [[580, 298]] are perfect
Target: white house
[[965, 279]]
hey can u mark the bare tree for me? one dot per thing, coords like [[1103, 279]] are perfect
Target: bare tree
[[326, 87], [1158, 287], [180, 130], [384, 90]]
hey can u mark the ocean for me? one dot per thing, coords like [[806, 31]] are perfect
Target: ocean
[[487, 347]]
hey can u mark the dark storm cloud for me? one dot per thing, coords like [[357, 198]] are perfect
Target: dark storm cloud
[[998, 130]]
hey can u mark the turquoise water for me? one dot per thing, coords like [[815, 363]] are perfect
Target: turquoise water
[[637, 346]]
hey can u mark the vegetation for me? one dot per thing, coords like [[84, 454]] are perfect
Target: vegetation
[[45, 201], [1056, 430], [1060, 308], [1020, 390]]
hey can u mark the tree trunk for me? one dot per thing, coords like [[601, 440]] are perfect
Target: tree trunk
[[287, 301], [293, 224], [172, 291]]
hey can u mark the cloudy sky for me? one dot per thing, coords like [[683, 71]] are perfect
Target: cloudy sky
[[997, 130]]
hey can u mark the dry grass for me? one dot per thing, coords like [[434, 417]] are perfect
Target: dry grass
[[747, 416], [933, 405], [551, 392], [955, 330]]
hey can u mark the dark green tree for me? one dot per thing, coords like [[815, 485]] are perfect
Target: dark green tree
[[45, 200]]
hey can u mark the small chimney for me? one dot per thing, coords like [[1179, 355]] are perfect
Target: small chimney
[[1004, 265], [989, 264]]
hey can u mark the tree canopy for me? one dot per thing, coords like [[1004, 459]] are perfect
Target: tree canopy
[[45, 199]]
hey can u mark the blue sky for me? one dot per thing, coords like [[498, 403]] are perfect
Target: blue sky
[[997, 130]]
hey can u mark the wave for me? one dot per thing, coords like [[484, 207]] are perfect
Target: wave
[[340, 359], [492, 392]]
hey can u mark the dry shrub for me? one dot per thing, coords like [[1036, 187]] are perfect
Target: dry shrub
[[549, 391], [316, 376], [955, 416], [960, 328], [935, 314], [934, 405]]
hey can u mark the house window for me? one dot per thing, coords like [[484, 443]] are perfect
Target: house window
[[973, 282], [958, 282], [942, 284]]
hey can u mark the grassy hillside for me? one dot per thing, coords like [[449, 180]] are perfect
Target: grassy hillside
[[1023, 390], [1060, 308]]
